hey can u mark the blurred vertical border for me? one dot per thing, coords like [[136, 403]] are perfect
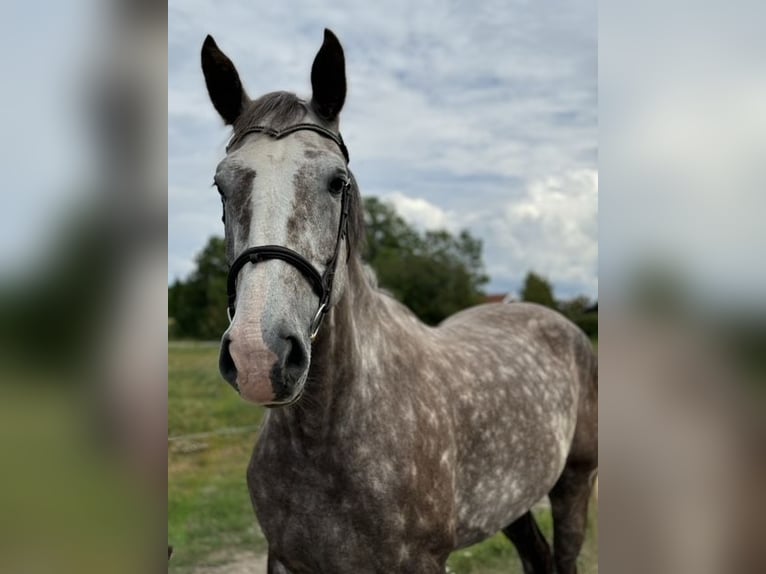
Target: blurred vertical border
[[682, 339], [83, 287]]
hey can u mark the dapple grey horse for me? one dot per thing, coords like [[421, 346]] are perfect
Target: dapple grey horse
[[388, 443]]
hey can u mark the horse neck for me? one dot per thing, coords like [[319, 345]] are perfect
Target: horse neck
[[335, 360], [335, 374]]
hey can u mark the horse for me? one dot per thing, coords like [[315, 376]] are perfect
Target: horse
[[387, 443]]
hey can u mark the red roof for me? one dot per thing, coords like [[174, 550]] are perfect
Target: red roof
[[496, 298]]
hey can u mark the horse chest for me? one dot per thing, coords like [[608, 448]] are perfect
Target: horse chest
[[315, 509]]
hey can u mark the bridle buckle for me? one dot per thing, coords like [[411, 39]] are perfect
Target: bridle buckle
[[316, 322]]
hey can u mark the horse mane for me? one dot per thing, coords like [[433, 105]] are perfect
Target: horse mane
[[356, 231], [274, 110], [279, 110]]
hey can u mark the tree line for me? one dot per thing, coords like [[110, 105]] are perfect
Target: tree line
[[580, 310], [434, 273]]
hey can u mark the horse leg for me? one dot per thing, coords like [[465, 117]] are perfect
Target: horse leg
[[533, 549], [275, 566], [569, 506]]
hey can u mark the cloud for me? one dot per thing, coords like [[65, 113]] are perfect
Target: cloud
[[420, 212], [552, 230]]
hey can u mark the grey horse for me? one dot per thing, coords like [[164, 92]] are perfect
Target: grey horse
[[388, 443]]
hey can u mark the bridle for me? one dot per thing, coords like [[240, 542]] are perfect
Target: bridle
[[321, 283]]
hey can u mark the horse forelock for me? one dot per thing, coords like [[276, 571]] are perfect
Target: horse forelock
[[275, 110], [279, 110]]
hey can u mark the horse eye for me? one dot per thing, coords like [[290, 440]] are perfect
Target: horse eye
[[337, 184]]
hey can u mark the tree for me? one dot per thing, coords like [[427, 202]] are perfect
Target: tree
[[582, 312], [385, 230], [198, 305], [434, 273], [537, 289], [575, 307]]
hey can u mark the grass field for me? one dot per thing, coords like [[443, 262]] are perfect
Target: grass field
[[209, 514]]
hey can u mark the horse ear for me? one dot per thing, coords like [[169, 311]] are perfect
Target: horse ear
[[328, 78], [222, 80]]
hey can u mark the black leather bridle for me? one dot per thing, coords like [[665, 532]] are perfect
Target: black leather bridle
[[321, 283]]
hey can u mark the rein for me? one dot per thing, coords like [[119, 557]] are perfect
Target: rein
[[321, 283]]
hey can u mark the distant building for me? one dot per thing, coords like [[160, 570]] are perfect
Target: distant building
[[499, 298]]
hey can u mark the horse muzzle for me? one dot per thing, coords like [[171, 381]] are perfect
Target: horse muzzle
[[268, 373]]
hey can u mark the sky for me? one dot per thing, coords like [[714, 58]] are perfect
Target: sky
[[41, 114], [461, 114]]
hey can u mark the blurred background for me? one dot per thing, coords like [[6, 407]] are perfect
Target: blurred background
[[682, 335], [85, 260]]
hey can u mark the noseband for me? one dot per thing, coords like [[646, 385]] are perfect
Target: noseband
[[321, 283]]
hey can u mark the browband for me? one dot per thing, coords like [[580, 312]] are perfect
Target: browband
[[279, 134]]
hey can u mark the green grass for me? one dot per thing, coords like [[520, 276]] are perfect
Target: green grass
[[209, 511], [198, 398], [498, 556]]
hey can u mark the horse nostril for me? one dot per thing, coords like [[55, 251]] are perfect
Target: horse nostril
[[226, 364], [295, 359]]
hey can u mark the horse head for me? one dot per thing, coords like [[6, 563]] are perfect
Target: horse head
[[291, 217]]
